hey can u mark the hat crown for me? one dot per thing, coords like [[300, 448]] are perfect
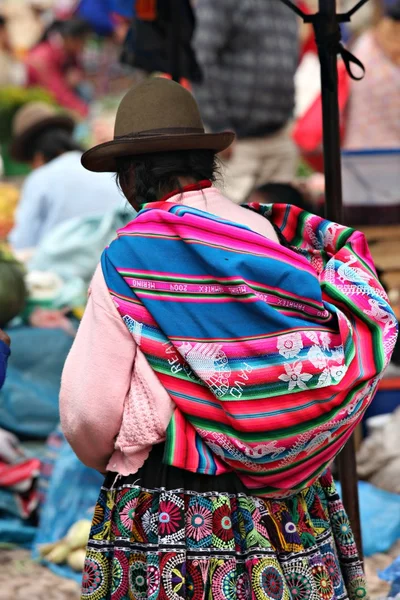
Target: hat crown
[[157, 104], [30, 115]]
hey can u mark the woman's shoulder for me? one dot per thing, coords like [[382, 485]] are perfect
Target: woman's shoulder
[[98, 289], [68, 162], [37, 179]]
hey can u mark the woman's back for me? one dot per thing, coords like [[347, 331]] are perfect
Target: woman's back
[[216, 374], [220, 206]]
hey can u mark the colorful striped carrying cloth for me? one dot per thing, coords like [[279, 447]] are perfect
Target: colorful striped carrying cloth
[[271, 354]]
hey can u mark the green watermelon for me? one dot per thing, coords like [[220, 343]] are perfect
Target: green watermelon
[[12, 287]]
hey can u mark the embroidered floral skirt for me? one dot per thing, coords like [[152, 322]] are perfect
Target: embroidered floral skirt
[[181, 541]]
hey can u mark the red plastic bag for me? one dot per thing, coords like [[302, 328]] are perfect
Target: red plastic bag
[[307, 132]]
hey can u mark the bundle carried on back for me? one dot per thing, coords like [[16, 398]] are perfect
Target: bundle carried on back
[[270, 353]]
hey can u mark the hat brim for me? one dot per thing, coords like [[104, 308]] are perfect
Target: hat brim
[[20, 145], [102, 158]]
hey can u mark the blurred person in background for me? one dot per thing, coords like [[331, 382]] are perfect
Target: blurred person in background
[[147, 46], [373, 119], [43, 12], [59, 188], [248, 51], [55, 64], [12, 72], [26, 22]]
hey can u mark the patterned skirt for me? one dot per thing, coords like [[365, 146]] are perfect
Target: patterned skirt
[[166, 534]]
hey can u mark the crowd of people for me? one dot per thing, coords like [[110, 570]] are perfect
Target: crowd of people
[[231, 339]]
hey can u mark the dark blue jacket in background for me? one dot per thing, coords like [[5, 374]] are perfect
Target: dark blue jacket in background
[[4, 354], [98, 13], [125, 8]]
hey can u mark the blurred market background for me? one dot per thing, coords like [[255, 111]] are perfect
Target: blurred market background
[[76, 59]]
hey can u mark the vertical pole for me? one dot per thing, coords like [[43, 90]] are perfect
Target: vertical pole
[[348, 478], [334, 211], [174, 35], [331, 126]]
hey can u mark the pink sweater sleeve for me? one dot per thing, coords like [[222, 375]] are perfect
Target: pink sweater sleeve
[[96, 379]]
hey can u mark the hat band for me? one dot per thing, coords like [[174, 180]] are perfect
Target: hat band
[[164, 131]]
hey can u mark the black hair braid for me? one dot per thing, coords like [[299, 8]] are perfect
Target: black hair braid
[[145, 184], [152, 176], [53, 142]]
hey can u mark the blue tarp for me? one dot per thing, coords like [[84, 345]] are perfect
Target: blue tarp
[[380, 518], [14, 530], [392, 574], [29, 397], [72, 495]]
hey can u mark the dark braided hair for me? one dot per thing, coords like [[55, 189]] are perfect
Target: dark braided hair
[[53, 142], [155, 175]]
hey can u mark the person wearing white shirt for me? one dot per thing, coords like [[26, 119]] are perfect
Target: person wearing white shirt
[[58, 188]]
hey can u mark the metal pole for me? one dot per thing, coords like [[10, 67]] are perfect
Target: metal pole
[[334, 211], [331, 124], [174, 39], [326, 23], [347, 466]]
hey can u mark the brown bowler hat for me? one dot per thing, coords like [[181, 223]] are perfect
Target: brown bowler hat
[[30, 121], [158, 115]]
